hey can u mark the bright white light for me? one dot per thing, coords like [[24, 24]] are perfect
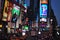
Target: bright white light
[[25, 10], [43, 19], [51, 20], [58, 33], [23, 33], [39, 32], [6, 26]]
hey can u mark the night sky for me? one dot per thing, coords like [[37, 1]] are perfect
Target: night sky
[[56, 8]]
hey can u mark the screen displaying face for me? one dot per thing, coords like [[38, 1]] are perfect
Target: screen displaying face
[[43, 10]]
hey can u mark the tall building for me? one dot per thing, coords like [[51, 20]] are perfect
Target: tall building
[[31, 10], [31, 7], [0, 5], [50, 16], [34, 6], [31, 4]]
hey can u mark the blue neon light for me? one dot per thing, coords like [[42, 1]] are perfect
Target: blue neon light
[[43, 10]]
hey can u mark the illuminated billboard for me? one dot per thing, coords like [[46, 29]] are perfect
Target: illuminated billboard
[[5, 11], [16, 10], [43, 10], [43, 14]]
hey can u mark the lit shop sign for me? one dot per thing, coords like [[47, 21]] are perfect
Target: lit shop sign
[[16, 10]]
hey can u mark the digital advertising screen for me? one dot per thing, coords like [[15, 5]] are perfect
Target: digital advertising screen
[[43, 10], [43, 14], [16, 10]]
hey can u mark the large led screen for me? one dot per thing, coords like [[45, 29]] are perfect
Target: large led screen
[[43, 10], [16, 10]]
